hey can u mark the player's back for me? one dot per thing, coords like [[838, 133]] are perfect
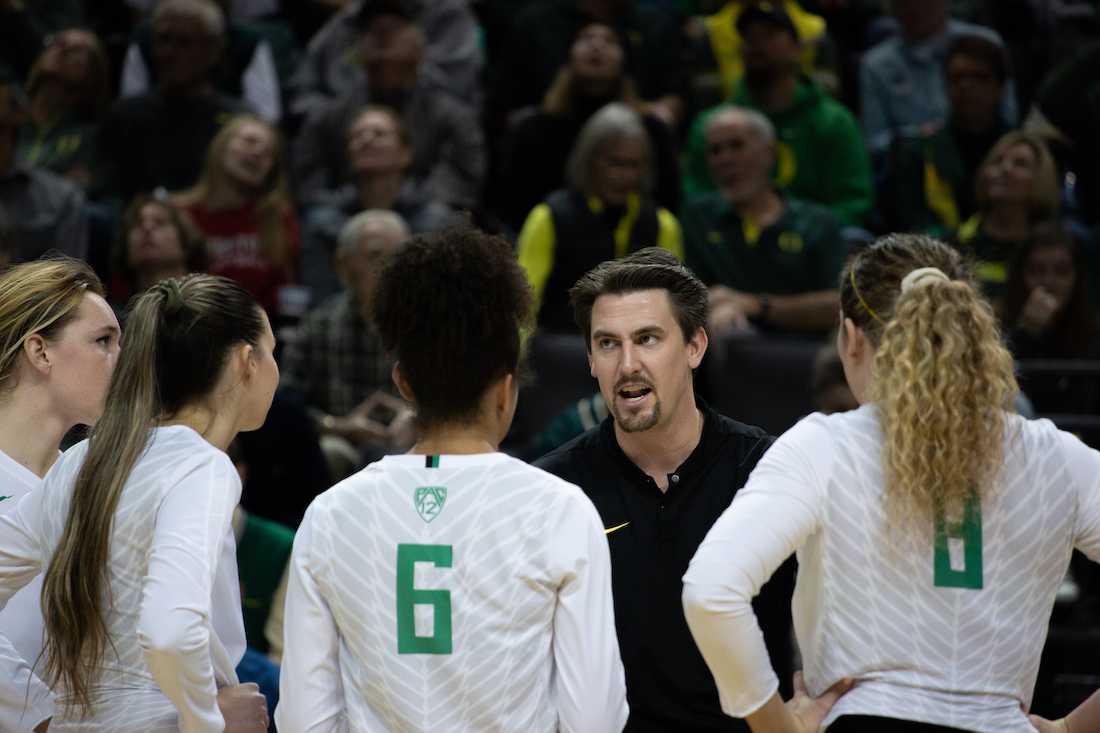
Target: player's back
[[946, 627], [442, 576]]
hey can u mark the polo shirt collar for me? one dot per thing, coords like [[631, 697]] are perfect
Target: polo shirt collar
[[701, 457]]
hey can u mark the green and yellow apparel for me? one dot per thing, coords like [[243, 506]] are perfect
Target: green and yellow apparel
[[930, 184], [725, 41], [263, 550], [801, 252], [989, 257], [64, 145], [820, 154], [570, 233]]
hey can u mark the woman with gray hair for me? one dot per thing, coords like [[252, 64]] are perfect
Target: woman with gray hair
[[540, 138], [605, 212]]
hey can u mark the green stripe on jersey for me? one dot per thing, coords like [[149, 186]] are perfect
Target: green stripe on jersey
[[431, 461]]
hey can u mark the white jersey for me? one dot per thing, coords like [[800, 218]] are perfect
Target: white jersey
[[21, 622], [451, 593], [174, 618], [945, 629]]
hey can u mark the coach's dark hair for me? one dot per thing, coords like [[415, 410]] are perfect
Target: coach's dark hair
[[452, 308], [651, 268], [179, 335]]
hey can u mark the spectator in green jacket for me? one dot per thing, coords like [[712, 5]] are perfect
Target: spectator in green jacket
[[819, 148], [770, 260]]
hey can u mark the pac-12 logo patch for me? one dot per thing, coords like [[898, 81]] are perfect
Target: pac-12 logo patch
[[429, 501]]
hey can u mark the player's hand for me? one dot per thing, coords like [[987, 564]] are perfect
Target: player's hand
[[1049, 726], [43, 726], [243, 708], [808, 712]]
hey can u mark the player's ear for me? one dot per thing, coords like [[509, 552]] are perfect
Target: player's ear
[[402, 384]]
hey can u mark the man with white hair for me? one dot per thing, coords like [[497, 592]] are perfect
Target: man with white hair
[[769, 260], [336, 361], [247, 70]]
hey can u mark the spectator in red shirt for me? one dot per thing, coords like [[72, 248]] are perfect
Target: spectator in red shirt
[[242, 205]]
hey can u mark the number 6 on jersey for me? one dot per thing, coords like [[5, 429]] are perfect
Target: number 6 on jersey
[[408, 597]]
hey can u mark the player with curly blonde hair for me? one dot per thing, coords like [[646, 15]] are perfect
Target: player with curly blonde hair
[[932, 525]]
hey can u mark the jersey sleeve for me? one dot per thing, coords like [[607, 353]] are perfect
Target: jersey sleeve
[[779, 508], [589, 681], [25, 700], [311, 695], [1083, 464], [174, 627]]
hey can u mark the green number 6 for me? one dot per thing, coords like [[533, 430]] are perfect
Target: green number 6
[[408, 597]]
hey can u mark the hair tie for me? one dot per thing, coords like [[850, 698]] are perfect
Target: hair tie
[[173, 295], [862, 302], [922, 274]]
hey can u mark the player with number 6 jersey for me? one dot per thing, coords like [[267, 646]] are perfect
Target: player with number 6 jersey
[[452, 588], [932, 526]]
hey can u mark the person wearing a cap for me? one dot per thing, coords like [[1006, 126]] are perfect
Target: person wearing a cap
[[819, 150], [725, 41]]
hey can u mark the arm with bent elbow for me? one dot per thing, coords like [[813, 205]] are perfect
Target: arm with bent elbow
[[26, 702], [773, 515], [174, 626]]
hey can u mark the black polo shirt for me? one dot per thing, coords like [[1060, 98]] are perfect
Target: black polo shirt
[[653, 536]]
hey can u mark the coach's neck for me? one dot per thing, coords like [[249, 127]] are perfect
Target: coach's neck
[[662, 449]]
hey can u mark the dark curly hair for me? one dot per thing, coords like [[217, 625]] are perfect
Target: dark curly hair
[[452, 308]]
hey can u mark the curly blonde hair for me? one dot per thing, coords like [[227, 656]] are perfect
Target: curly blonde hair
[[941, 377]]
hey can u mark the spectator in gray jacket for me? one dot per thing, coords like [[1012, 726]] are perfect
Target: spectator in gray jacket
[[379, 151], [452, 59], [448, 146], [901, 84]]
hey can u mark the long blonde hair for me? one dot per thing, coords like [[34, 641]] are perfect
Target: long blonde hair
[[39, 297], [273, 201], [178, 336], [941, 378]]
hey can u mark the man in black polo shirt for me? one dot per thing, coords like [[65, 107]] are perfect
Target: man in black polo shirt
[[660, 470]]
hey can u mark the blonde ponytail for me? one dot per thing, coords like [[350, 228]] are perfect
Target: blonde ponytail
[[941, 378], [942, 381]]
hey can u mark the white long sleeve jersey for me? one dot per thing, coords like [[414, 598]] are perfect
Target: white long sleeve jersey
[[28, 702], [451, 593], [945, 629], [174, 615]]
